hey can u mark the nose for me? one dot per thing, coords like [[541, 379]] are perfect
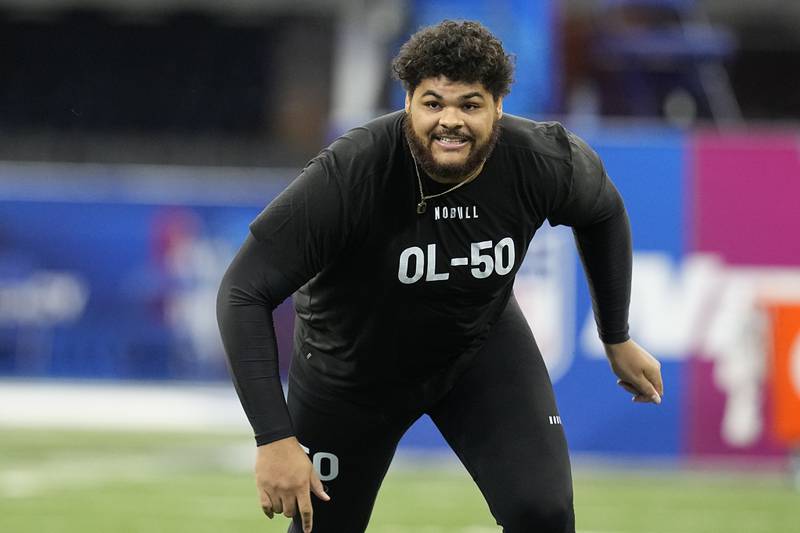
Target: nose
[[450, 119]]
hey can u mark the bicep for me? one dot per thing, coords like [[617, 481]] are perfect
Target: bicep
[[303, 229], [589, 195]]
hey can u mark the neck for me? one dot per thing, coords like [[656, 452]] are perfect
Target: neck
[[452, 181]]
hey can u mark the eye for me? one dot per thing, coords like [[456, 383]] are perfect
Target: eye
[[433, 104], [470, 107]]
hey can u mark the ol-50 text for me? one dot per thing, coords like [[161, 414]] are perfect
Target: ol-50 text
[[485, 258]]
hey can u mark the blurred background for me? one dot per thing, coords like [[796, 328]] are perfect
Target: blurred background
[[138, 138]]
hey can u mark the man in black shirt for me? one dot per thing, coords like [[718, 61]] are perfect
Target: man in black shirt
[[400, 242]]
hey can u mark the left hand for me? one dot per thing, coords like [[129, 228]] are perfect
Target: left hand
[[639, 372]]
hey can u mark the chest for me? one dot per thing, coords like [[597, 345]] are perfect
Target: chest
[[467, 243]]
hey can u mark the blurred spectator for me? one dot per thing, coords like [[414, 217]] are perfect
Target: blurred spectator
[[683, 60], [656, 58]]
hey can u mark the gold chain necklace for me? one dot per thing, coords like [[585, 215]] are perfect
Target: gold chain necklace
[[423, 205]]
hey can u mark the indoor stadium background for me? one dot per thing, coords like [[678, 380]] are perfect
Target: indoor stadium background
[[138, 138]]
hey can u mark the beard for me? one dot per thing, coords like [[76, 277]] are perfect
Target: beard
[[451, 172]]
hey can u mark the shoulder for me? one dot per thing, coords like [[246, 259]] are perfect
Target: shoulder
[[549, 140], [364, 151], [546, 139], [583, 158]]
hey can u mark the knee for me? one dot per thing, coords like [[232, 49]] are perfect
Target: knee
[[539, 513]]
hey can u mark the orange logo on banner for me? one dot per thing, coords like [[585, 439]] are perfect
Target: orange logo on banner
[[785, 371]]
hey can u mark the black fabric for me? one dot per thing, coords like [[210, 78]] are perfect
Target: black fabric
[[502, 421], [247, 296], [499, 416], [363, 440], [384, 310], [608, 275]]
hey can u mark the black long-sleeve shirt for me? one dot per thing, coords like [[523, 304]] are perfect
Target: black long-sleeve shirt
[[388, 300]]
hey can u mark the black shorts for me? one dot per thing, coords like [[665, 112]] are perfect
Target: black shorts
[[499, 417]]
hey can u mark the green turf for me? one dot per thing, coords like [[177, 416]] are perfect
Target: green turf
[[55, 482]]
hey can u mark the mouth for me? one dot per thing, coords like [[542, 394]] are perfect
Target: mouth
[[451, 142]]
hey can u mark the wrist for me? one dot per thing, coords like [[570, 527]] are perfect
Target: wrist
[[613, 348], [274, 436], [278, 443]]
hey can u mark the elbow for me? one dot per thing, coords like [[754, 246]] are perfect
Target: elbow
[[242, 287]]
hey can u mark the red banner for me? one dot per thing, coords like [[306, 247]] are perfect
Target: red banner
[[784, 376]]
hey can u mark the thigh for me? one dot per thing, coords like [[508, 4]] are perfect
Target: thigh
[[351, 447], [501, 419]]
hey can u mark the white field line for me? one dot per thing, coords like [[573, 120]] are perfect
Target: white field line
[[55, 475], [120, 406], [61, 471]]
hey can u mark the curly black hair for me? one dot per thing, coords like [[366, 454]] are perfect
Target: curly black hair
[[462, 51]]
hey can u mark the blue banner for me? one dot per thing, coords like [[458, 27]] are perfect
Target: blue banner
[[117, 283]]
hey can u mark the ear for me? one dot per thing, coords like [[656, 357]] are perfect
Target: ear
[[408, 101], [499, 108]]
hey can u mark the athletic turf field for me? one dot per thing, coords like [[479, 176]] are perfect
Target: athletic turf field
[[56, 482]]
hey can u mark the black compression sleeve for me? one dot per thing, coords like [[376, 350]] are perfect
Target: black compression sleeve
[[248, 294], [594, 209], [605, 250], [299, 233]]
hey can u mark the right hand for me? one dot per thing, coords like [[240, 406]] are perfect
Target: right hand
[[639, 372], [285, 478]]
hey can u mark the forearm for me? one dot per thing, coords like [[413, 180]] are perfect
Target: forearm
[[244, 315], [605, 250]]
